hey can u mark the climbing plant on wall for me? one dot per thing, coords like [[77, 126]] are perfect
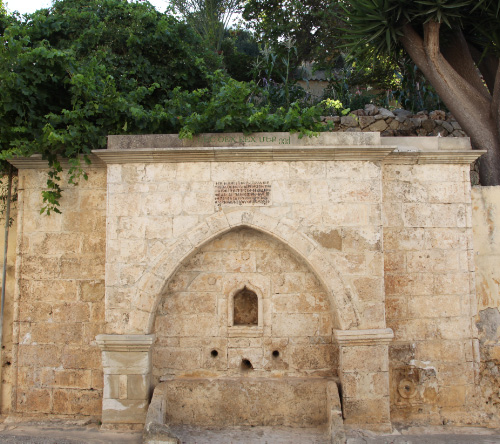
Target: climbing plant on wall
[[80, 70]]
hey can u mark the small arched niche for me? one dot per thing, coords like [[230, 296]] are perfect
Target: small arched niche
[[245, 308], [245, 312]]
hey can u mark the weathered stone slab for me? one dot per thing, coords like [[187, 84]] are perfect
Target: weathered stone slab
[[292, 402]]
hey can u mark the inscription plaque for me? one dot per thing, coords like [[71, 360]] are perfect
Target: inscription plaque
[[242, 193]]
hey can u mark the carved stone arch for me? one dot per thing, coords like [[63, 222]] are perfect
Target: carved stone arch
[[165, 265]]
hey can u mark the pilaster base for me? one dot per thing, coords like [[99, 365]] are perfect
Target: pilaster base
[[126, 362], [364, 376]]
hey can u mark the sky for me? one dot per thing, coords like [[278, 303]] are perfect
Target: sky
[[27, 6]]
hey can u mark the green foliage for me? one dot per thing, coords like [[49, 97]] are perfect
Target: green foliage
[[387, 82], [209, 18], [378, 23], [412, 91], [239, 51], [232, 106], [310, 23], [274, 73], [78, 71]]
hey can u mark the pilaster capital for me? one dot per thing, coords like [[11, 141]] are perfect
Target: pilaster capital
[[379, 336], [125, 343]]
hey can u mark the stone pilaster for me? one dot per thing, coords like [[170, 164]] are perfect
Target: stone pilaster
[[126, 363], [364, 375]]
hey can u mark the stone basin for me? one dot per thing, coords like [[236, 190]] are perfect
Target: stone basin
[[293, 402]]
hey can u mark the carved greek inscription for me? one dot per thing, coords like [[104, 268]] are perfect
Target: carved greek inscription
[[237, 140], [242, 193]]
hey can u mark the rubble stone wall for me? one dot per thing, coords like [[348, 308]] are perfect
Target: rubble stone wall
[[398, 123]]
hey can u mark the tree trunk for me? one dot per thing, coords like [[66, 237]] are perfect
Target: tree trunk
[[489, 165], [477, 112]]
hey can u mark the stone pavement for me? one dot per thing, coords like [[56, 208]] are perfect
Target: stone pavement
[[64, 432], [427, 435]]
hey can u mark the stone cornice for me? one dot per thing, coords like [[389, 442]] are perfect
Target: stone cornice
[[125, 343], [426, 157], [245, 154], [327, 147], [382, 336], [383, 153], [36, 162]]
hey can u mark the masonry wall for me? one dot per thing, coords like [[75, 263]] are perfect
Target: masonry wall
[[333, 206], [59, 299], [194, 333], [486, 224], [429, 272], [360, 216], [6, 362]]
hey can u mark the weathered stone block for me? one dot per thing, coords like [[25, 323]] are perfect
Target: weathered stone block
[[138, 386], [365, 412], [364, 358], [34, 400], [365, 385], [91, 291], [125, 362], [295, 324], [40, 355], [453, 396], [434, 306], [247, 401], [409, 284], [123, 411], [300, 303], [77, 402], [83, 357], [444, 351], [177, 358], [60, 333]]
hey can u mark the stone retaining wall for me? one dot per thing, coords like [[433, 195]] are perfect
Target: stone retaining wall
[[398, 122]]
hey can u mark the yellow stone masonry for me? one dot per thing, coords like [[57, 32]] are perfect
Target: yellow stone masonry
[[357, 269]]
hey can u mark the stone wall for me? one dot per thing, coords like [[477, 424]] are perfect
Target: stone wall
[[59, 299], [486, 224], [155, 208], [317, 254], [398, 123], [428, 274], [195, 335], [7, 373]]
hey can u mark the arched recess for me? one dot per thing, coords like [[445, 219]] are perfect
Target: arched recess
[[165, 265]]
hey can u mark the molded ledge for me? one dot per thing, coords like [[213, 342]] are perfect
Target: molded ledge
[[125, 343], [35, 162], [384, 153], [381, 336], [426, 157], [245, 154]]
